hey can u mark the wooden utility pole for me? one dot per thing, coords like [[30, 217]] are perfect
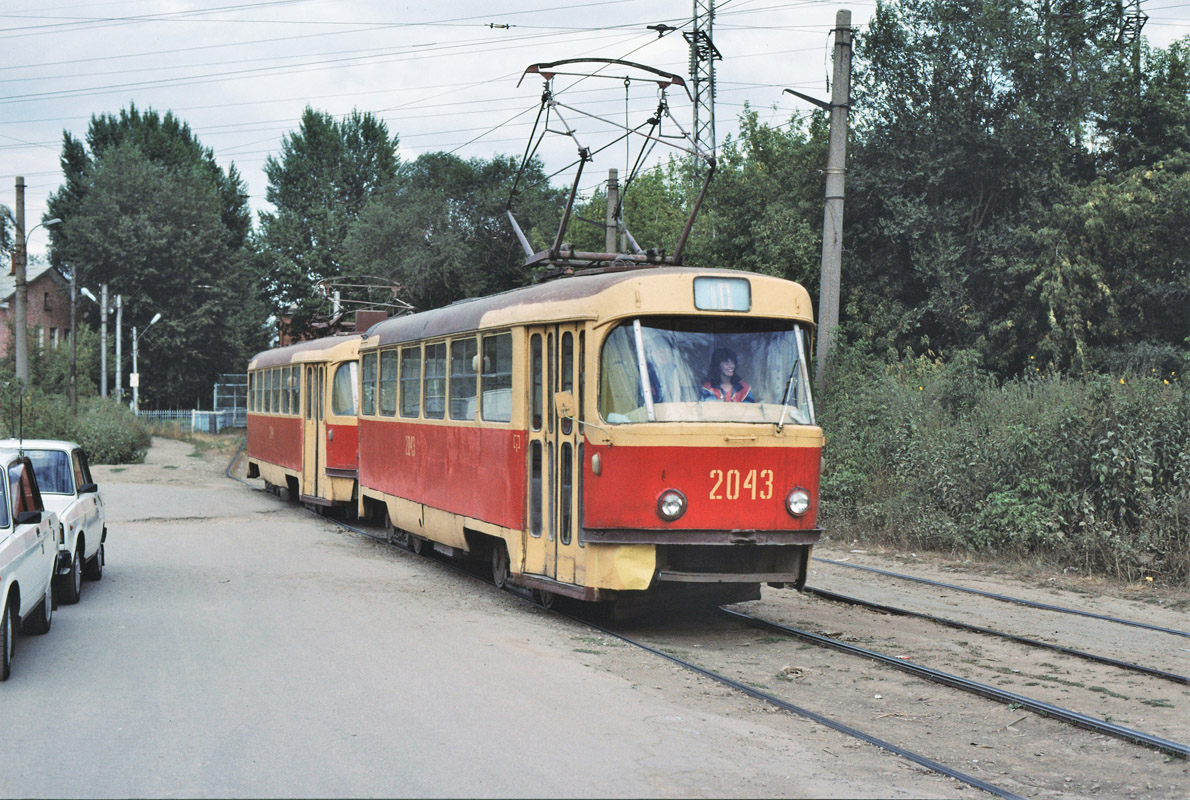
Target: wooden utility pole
[[832, 222]]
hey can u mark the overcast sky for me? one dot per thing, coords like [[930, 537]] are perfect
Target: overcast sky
[[443, 76]]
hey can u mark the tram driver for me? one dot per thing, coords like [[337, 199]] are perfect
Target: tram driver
[[723, 381]]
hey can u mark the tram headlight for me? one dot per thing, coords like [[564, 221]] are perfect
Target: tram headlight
[[671, 505], [798, 502]]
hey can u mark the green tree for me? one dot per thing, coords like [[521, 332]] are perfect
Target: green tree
[[157, 235], [441, 230], [164, 140], [148, 210], [970, 122], [763, 210], [325, 175]]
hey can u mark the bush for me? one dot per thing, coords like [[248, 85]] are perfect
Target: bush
[[109, 432], [1093, 472]]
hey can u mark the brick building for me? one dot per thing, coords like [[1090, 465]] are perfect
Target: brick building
[[48, 308]]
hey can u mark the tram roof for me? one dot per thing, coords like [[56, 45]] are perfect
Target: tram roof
[[310, 350], [571, 298]]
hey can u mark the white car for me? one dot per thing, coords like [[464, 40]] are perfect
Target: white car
[[28, 556], [67, 489]]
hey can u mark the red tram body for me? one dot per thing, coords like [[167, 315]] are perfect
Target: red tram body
[[570, 432], [302, 420]]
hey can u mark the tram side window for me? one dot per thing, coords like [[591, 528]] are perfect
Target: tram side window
[[388, 383], [276, 383], [293, 385], [435, 382], [368, 370], [497, 378], [462, 378], [566, 490], [410, 381], [344, 388], [535, 371], [286, 400], [535, 487]]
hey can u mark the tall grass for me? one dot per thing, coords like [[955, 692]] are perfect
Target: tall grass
[[1089, 472]]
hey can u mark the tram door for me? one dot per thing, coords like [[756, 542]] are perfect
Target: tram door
[[313, 430], [553, 453]]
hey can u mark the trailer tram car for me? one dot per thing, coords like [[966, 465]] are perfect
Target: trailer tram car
[[303, 420], [571, 433]]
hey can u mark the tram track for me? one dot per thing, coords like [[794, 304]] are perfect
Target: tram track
[[1006, 598], [982, 689], [965, 626]]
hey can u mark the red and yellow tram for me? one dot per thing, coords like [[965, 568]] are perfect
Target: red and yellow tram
[[303, 420], [576, 432]]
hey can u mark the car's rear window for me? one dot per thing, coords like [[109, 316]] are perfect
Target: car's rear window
[[53, 471]]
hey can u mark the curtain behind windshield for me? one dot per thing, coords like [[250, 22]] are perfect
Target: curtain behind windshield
[[705, 369]]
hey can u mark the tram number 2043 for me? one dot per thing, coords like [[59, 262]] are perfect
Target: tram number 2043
[[731, 484]]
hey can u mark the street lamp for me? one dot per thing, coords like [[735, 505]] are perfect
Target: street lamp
[[19, 262], [134, 378]]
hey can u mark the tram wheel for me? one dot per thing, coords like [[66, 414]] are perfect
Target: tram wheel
[[416, 544], [547, 598], [499, 564], [390, 530]]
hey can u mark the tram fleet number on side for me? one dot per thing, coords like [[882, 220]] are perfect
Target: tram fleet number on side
[[729, 483]]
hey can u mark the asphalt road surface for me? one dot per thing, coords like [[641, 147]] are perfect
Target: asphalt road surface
[[238, 646]]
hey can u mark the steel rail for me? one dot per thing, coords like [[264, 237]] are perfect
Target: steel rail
[[990, 692], [835, 725], [1006, 598], [966, 626]]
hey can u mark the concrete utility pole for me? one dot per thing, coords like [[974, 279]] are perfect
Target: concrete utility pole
[[74, 397], [613, 200], [21, 310], [119, 363], [832, 221], [103, 341]]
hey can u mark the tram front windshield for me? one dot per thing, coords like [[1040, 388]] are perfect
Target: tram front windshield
[[704, 369]]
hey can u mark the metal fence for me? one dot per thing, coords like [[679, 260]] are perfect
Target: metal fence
[[230, 401], [200, 421]]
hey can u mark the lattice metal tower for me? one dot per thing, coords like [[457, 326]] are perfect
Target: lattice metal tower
[[703, 55], [1132, 21]]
